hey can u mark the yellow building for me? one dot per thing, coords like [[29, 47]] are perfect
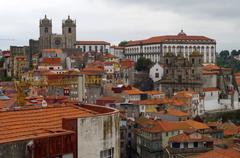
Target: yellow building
[[19, 65], [93, 76]]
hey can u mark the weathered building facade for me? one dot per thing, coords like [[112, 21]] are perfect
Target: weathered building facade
[[48, 39], [181, 73], [63, 131]]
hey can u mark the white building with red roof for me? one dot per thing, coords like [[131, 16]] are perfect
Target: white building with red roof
[[155, 47], [93, 46]]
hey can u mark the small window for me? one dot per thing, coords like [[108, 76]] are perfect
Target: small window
[[46, 30], [193, 61], [166, 61], [192, 71], [167, 134], [195, 144], [156, 75], [69, 30], [109, 153]]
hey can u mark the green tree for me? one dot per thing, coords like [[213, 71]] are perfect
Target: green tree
[[143, 64], [224, 54], [123, 43], [234, 52]]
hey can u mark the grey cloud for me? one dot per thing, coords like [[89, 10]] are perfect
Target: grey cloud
[[200, 8], [116, 20]]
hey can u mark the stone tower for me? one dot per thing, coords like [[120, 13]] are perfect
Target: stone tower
[[181, 73], [45, 27], [69, 32]]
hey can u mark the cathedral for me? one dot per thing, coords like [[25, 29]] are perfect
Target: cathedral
[[48, 39]]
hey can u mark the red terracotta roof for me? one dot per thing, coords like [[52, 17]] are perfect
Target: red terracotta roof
[[238, 81], [211, 67], [35, 122], [92, 70], [178, 102], [210, 72], [92, 43], [174, 112], [196, 125], [155, 126], [52, 50], [186, 137], [107, 56], [184, 94], [230, 129], [161, 39], [20, 57], [151, 101], [126, 64], [237, 74], [51, 61], [219, 153], [210, 89], [153, 92], [133, 92]]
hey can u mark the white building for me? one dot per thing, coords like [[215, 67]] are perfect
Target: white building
[[211, 99], [155, 47], [117, 51], [93, 46], [156, 72]]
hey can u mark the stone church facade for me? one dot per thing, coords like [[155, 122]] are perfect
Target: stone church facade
[[48, 39], [182, 73]]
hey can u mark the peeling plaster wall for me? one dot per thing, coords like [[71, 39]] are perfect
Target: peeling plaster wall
[[98, 133]]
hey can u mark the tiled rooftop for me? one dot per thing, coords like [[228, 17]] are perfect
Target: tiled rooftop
[[174, 112], [35, 122], [186, 137], [92, 43], [155, 126], [210, 89], [133, 92], [151, 101], [160, 39], [219, 153]]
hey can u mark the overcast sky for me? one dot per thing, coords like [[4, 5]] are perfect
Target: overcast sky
[[117, 20]]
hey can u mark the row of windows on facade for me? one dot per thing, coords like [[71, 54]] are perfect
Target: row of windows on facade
[[46, 30], [167, 72], [170, 48], [90, 48], [193, 61]]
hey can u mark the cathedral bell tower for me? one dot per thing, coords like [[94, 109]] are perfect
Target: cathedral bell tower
[[45, 29], [69, 32]]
